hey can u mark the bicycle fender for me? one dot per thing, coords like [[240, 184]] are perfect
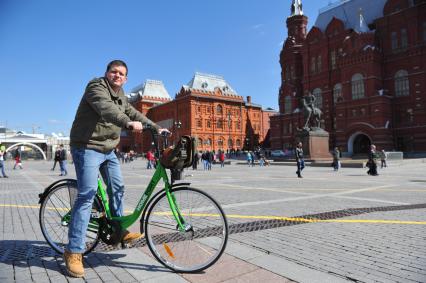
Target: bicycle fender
[[46, 191]]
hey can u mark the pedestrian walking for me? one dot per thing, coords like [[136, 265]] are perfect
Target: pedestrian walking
[[336, 159], [299, 160], [63, 160], [372, 161], [18, 161], [383, 157], [222, 158], [248, 157], [56, 158], [210, 158], [150, 159], [2, 159], [196, 160]]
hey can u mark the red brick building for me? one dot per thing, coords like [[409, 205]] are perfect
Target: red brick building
[[365, 63], [206, 108]]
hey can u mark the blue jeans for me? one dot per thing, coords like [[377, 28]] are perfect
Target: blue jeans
[[300, 166], [63, 166], [2, 168], [88, 163]]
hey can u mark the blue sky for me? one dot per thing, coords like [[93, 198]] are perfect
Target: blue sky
[[50, 49]]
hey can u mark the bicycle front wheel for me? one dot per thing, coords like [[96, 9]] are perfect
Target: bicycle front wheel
[[55, 214], [204, 239]]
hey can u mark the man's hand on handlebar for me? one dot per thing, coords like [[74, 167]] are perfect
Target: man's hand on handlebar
[[135, 126]]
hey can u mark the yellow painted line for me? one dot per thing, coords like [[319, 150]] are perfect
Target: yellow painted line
[[263, 217]]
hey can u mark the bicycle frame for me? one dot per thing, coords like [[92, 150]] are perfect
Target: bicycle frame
[[128, 220]]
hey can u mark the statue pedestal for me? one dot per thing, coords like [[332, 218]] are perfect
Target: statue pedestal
[[315, 144]]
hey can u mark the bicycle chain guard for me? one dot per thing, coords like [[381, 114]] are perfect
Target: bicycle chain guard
[[110, 231]]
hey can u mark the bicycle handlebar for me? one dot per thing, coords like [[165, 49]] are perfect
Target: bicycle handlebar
[[154, 137]]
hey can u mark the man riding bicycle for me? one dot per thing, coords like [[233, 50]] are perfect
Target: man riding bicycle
[[102, 113]]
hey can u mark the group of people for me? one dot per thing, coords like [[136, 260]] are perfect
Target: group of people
[[373, 160], [17, 157]]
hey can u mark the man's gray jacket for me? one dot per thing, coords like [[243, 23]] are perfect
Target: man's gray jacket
[[101, 115]]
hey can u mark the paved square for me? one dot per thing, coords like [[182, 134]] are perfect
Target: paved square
[[329, 226]]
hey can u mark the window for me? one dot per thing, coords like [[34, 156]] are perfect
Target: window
[[287, 104], [200, 142], [199, 124], [219, 124], [404, 39], [220, 142], [287, 73], [238, 143], [319, 63], [424, 31], [394, 41], [284, 128], [230, 143], [318, 97], [337, 93], [237, 125], [402, 86], [313, 63], [209, 141], [208, 109], [208, 124], [333, 59], [219, 109], [357, 84]]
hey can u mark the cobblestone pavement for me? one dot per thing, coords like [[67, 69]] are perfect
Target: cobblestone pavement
[[329, 226]]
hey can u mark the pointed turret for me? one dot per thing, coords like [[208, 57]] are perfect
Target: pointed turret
[[297, 22], [362, 24]]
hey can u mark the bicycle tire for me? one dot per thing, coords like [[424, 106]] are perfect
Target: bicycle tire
[[191, 251], [55, 206]]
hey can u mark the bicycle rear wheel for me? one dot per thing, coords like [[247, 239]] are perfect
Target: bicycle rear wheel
[[204, 240], [55, 214]]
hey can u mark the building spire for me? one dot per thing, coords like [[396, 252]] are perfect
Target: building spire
[[296, 8], [362, 24]]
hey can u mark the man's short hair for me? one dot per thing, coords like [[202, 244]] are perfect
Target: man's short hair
[[117, 63]]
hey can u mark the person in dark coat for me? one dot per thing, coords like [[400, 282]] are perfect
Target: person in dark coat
[[299, 160], [372, 161], [56, 158]]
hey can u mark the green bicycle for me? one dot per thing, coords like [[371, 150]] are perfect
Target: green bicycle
[[185, 228]]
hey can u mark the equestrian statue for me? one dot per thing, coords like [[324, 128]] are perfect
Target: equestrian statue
[[311, 113]]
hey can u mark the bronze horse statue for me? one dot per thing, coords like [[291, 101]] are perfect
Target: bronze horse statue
[[311, 113]]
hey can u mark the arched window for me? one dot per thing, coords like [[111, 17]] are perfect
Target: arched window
[[200, 142], [287, 104], [402, 86], [220, 142], [219, 109], [337, 93], [230, 143], [238, 143], [357, 83], [318, 97]]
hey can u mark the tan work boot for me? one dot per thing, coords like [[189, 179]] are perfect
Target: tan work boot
[[130, 237], [74, 264]]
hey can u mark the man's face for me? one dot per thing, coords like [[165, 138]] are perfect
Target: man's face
[[117, 76]]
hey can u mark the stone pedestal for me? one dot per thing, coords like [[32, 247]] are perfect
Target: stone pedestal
[[315, 144]]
